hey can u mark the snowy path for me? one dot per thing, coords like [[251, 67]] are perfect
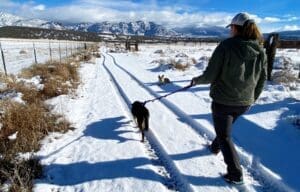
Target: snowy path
[[104, 152], [183, 145], [193, 108]]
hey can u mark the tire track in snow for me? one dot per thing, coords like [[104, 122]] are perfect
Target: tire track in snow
[[257, 171], [174, 179]]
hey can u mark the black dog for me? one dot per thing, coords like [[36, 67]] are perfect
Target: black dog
[[141, 114]]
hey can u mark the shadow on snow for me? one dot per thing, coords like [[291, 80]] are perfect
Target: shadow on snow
[[271, 146]]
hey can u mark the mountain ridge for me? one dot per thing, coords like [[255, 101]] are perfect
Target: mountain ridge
[[140, 28], [121, 28]]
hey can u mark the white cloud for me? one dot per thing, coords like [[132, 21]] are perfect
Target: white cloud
[[4, 4], [39, 7], [293, 19], [271, 19], [95, 11], [290, 28]]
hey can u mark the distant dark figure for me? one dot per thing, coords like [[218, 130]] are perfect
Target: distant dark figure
[[270, 45], [141, 115]]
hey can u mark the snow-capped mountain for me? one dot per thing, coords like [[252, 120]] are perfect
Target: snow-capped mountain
[[7, 19], [52, 25], [125, 28], [130, 28], [290, 35], [205, 31]]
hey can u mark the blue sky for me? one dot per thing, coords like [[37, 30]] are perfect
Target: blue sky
[[270, 15]]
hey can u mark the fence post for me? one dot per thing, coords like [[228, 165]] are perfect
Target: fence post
[[71, 48], [59, 51], [50, 52], [299, 71], [3, 60], [271, 45], [34, 52], [66, 49]]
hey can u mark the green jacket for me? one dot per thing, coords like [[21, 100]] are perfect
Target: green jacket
[[237, 72]]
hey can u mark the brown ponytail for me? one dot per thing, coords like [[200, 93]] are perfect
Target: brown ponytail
[[250, 31]]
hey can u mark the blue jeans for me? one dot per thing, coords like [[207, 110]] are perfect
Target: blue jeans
[[223, 117]]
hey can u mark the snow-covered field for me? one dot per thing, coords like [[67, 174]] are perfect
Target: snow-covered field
[[104, 152], [19, 53]]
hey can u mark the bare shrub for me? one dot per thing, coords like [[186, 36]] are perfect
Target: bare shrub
[[57, 78], [20, 173], [97, 54], [284, 76], [159, 51], [194, 61], [283, 62], [24, 125], [23, 51], [29, 93], [287, 78], [86, 57], [31, 122], [83, 56], [181, 55], [179, 64]]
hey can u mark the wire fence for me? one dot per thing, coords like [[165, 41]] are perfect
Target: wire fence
[[17, 54]]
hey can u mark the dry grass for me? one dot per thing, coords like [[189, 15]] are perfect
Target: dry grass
[[23, 52], [179, 65], [31, 121], [58, 78], [29, 93], [286, 78], [20, 173], [194, 61]]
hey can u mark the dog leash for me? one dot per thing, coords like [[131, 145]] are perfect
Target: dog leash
[[158, 98]]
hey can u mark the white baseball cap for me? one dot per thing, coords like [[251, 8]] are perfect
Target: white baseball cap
[[240, 19]]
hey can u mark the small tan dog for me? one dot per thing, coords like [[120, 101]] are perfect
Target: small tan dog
[[163, 80]]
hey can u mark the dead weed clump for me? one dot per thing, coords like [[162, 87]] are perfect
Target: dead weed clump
[[23, 124], [29, 93], [21, 130], [20, 173], [287, 78], [180, 64], [29, 123], [58, 78]]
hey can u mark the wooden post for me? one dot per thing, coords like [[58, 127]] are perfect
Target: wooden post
[[71, 48], [66, 49], [136, 46], [59, 52], [34, 52], [271, 44], [299, 71], [50, 52], [3, 60]]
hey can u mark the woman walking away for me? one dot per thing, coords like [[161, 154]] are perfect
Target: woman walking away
[[236, 71]]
